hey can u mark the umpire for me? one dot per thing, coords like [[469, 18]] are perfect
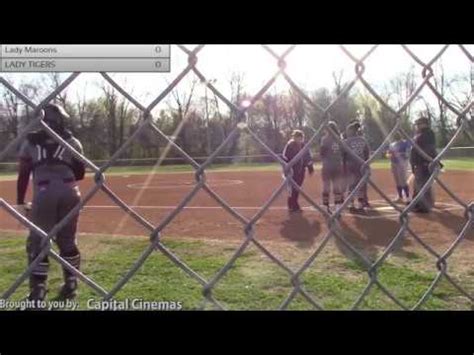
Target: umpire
[[55, 193], [425, 139]]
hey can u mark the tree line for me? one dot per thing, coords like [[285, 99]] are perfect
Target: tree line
[[200, 123]]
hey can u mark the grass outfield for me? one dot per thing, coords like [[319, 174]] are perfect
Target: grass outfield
[[254, 283], [454, 164], [450, 164]]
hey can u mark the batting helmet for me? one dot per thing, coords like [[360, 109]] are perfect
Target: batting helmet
[[55, 117]]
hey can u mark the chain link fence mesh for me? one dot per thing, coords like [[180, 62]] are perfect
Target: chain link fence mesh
[[248, 225]]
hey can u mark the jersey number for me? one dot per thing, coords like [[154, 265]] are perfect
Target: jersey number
[[42, 154]]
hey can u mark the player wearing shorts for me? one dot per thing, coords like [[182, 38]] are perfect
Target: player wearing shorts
[[399, 153], [55, 193], [332, 167], [292, 148], [357, 143]]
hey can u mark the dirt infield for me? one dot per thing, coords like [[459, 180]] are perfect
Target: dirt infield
[[155, 196]]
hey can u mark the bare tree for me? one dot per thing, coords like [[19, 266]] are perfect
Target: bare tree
[[181, 104], [15, 110], [237, 95], [208, 103], [344, 109], [183, 100], [273, 114], [460, 89], [338, 82], [295, 110], [396, 93], [118, 117], [441, 84], [459, 98], [450, 88], [81, 107], [50, 82], [402, 87]]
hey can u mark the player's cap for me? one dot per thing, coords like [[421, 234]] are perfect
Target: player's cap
[[355, 126], [297, 134], [422, 120], [397, 136], [333, 126]]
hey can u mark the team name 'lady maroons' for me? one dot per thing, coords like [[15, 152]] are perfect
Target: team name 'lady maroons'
[[40, 50]]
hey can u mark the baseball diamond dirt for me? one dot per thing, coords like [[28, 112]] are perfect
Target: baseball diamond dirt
[[155, 196]]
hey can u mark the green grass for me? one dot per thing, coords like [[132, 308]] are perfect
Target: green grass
[[454, 164], [459, 163], [188, 168], [450, 164], [7, 176], [253, 283], [169, 169]]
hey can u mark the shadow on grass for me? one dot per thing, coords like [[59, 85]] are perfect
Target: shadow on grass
[[298, 229], [370, 237]]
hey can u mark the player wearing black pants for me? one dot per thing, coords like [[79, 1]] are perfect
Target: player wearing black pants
[[292, 148], [55, 193], [425, 139]]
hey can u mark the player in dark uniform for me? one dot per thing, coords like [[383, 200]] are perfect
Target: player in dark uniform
[[55, 192], [425, 139], [332, 167], [291, 149], [357, 143]]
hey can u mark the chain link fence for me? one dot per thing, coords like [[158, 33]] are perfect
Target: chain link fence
[[248, 225]]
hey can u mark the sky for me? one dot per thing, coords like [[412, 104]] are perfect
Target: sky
[[310, 66]]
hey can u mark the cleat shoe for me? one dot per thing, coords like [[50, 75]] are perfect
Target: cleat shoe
[[68, 291], [37, 295]]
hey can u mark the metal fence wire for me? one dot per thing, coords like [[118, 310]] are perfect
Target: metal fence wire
[[248, 225]]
